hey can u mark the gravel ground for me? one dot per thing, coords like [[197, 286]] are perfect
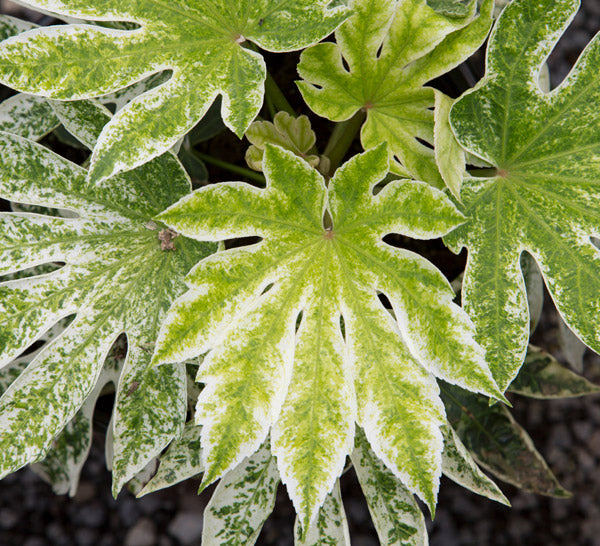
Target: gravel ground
[[567, 432]]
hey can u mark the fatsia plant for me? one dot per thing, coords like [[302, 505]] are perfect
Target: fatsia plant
[[200, 42], [319, 342], [312, 283]]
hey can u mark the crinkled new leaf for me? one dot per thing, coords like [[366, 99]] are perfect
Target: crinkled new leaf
[[544, 196], [383, 56], [114, 278], [296, 336], [201, 43]]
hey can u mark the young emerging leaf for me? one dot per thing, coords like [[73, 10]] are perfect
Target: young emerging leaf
[[242, 501], [384, 55], [116, 279], [544, 196], [294, 134], [200, 41], [297, 336], [542, 376], [498, 443]]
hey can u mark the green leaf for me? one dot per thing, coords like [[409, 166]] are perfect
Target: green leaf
[[396, 515], [383, 56], [269, 315], [449, 156], [459, 466], [242, 501], [542, 376], [330, 527], [544, 195], [498, 443], [115, 279], [201, 42], [451, 8], [289, 132], [181, 461]]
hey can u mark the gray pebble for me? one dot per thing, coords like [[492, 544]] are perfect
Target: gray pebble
[[8, 518], [186, 527], [143, 533]]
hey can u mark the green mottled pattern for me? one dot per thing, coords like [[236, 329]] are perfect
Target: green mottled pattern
[[200, 41], [269, 317], [181, 461], [330, 527], [449, 156], [396, 515], [498, 443], [383, 56], [543, 377], [459, 466], [115, 279], [242, 501], [64, 460], [289, 132], [25, 115], [544, 197]]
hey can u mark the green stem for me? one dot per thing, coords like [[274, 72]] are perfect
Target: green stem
[[276, 96], [341, 139], [252, 175]]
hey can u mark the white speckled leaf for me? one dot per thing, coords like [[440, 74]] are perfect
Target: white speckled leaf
[[63, 462], [459, 466], [242, 501], [392, 49], [25, 115], [268, 316], [395, 513], [102, 285], [544, 197], [330, 527], [543, 377], [199, 41], [181, 461]]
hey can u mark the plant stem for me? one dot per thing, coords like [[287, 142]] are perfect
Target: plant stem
[[341, 139], [248, 173], [276, 96]]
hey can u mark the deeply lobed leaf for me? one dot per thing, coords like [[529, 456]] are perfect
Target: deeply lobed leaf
[[297, 339]]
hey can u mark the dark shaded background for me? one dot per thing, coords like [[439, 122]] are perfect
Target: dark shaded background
[[567, 432]]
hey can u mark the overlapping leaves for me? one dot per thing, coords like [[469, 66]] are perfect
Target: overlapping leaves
[[115, 278], [298, 340], [543, 198], [383, 56], [201, 42]]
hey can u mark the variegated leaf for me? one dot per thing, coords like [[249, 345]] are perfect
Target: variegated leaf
[[63, 462], [383, 56], [242, 501], [543, 197], [201, 42], [181, 461], [459, 466], [542, 376], [449, 156], [330, 527], [116, 278], [498, 443], [395, 513], [289, 132], [269, 316]]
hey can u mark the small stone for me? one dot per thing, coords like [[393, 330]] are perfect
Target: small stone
[[560, 437], [186, 527], [92, 514], [582, 430], [129, 512], [86, 537], [594, 443], [143, 533], [86, 491], [35, 541], [8, 518]]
